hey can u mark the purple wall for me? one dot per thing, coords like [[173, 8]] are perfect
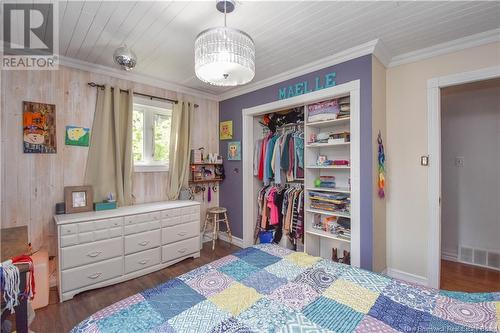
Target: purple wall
[[231, 192]]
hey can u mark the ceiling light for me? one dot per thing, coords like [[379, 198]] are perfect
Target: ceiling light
[[224, 56], [125, 57]]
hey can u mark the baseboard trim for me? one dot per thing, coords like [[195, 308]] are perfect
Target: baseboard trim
[[236, 240], [417, 279], [450, 256]]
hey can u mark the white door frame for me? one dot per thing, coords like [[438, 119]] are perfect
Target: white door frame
[[247, 143], [434, 86]]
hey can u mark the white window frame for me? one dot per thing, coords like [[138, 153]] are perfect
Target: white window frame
[[160, 108]]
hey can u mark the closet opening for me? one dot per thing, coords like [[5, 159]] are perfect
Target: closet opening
[[470, 187], [301, 173]]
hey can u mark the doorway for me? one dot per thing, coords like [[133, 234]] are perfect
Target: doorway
[[470, 191], [439, 89]]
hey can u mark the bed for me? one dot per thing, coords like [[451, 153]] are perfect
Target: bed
[[267, 288]]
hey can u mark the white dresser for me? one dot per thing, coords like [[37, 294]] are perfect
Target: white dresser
[[97, 249]]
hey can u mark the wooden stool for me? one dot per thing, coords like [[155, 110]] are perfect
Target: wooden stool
[[212, 218]]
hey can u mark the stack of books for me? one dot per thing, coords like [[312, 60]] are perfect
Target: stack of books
[[344, 107]]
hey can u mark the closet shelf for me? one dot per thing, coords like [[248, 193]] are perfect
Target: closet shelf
[[328, 167], [329, 189], [322, 145], [325, 234], [329, 123], [324, 212]]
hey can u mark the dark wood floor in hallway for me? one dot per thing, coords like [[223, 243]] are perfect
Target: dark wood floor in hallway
[[456, 276], [62, 317]]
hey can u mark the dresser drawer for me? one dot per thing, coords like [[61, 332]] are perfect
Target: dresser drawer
[[179, 232], [170, 221], [142, 227], [140, 260], [69, 229], [191, 210], [85, 227], [108, 223], [89, 253], [69, 240], [171, 212], [190, 218], [142, 241], [136, 219], [180, 249], [91, 274]]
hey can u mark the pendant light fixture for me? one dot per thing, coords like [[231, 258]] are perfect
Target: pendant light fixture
[[125, 57], [224, 56]]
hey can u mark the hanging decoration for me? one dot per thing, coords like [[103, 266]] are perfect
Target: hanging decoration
[[224, 56], [381, 167]]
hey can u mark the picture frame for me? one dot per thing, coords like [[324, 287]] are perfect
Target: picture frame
[[226, 130], [78, 199], [234, 151], [39, 128], [77, 136]]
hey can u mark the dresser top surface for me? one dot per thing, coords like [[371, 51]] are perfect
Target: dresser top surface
[[123, 211]]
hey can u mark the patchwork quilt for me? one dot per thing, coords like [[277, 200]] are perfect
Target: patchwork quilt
[[267, 288]]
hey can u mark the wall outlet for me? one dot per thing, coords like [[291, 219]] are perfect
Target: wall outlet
[[459, 161]]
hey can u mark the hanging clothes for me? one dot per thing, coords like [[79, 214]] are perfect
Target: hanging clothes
[[281, 208], [279, 157]]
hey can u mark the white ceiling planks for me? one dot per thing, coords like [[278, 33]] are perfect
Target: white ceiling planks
[[84, 23], [95, 28], [111, 31], [287, 34]]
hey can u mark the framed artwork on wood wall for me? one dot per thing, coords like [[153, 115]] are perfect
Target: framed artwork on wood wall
[[77, 136], [39, 128], [78, 199]]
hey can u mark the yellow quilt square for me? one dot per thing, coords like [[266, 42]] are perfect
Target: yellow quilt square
[[352, 295], [302, 259], [236, 299]]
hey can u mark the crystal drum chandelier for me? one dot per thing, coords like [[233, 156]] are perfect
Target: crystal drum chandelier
[[224, 56]]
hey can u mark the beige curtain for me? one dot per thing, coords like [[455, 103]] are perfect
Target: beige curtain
[[179, 148], [109, 163]]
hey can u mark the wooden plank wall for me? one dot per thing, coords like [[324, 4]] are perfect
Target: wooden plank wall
[[33, 183]]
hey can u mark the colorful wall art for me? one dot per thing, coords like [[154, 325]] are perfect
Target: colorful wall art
[[39, 128], [77, 136], [234, 151], [226, 130]]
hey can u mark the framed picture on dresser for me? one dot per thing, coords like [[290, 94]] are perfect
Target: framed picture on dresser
[[78, 199]]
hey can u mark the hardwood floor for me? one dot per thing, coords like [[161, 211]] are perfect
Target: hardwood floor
[[62, 317], [456, 276]]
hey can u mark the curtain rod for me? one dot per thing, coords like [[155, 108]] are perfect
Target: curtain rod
[[101, 86]]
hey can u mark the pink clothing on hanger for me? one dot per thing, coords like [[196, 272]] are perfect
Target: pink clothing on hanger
[[274, 216]]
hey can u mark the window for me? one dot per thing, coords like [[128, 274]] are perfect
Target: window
[[151, 134]]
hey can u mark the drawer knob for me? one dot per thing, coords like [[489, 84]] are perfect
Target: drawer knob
[[144, 262], [94, 276], [183, 233], [94, 254], [143, 243], [182, 250]]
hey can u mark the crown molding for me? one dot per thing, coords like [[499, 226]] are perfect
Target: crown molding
[[135, 77], [486, 37], [337, 58], [382, 52]]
